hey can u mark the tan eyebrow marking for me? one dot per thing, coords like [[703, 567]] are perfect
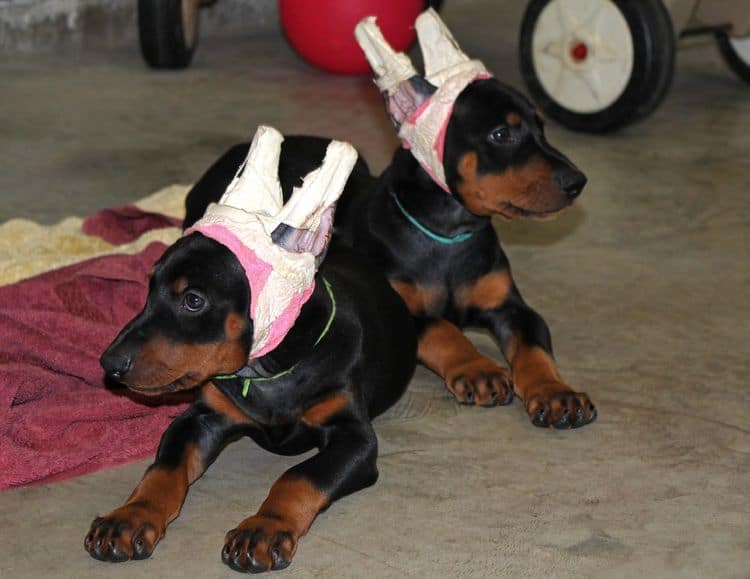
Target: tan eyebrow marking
[[513, 119], [180, 284]]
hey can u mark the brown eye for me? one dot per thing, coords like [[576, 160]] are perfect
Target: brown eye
[[193, 302]]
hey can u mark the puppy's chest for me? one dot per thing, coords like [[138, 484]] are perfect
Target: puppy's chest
[[270, 400], [449, 281], [423, 298], [450, 298], [431, 298]]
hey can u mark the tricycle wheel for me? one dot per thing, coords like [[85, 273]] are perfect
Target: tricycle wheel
[[597, 65]]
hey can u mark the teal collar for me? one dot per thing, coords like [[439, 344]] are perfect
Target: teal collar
[[248, 381], [431, 234]]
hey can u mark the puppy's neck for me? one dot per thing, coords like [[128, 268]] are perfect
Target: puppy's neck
[[426, 202], [309, 328]]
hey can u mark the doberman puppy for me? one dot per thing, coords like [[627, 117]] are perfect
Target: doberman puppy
[[442, 255], [440, 251], [348, 357], [476, 148]]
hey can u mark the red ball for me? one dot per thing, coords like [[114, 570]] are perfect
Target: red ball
[[322, 31]]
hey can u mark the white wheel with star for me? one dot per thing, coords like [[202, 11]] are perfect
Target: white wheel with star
[[595, 65]]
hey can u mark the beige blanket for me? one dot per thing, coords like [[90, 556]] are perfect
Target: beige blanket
[[28, 248]]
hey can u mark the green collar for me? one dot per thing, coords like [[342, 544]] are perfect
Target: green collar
[[247, 381], [431, 234]]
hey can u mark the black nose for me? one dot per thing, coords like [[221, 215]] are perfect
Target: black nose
[[572, 183], [115, 364]]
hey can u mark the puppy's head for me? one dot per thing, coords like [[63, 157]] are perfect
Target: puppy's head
[[195, 323], [497, 159]]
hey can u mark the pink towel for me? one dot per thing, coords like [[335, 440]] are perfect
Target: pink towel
[[57, 418]]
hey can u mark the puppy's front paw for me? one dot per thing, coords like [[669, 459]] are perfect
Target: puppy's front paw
[[555, 405], [482, 382], [258, 544], [130, 532]]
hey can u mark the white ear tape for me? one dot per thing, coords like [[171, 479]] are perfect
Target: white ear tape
[[321, 188], [442, 56], [279, 246], [421, 119], [256, 188], [391, 68]]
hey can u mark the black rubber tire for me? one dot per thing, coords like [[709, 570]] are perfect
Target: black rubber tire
[[662, 62], [162, 34], [653, 66], [740, 67]]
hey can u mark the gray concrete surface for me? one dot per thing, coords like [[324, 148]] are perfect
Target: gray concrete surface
[[644, 284], [33, 26]]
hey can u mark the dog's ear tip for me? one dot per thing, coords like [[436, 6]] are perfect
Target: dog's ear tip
[[256, 184], [390, 67], [306, 220], [441, 53]]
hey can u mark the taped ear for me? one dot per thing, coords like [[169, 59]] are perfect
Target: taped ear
[[421, 108], [256, 188], [279, 246], [403, 89], [443, 58], [306, 221], [391, 68]]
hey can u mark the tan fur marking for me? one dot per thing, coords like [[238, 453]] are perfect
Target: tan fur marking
[[180, 285], [487, 292], [443, 347], [418, 298], [530, 188], [318, 414], [161, 361], [162, 490], [286, 515], [513, 119], [534, 372], [295, 500], [221, 404], [155, 502], [193, 461], [234, 326]]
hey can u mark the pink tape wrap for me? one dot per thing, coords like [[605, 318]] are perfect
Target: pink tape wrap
[[257, 272], [438, 144]]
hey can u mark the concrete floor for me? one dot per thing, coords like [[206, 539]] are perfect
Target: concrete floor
[[644, 284]]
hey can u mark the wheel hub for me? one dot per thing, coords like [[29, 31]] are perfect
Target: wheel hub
[[579, 51]]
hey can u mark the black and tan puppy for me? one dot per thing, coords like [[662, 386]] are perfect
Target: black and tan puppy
[[427, 220], [473, 148], [442, 254], [347, 358]]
